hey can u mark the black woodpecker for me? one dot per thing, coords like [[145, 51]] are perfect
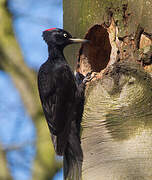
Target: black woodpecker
[[62, 100]]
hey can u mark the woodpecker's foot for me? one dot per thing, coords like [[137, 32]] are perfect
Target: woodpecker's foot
[[79, 77], [88, 77]]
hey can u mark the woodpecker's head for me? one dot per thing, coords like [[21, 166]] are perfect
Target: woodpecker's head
[[60, 37]]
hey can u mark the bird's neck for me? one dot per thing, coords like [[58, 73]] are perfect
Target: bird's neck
[[55, 53]]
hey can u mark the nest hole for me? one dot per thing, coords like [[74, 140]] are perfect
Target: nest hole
[[95, 55]]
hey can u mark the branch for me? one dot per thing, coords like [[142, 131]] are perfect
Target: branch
[[5, 172]]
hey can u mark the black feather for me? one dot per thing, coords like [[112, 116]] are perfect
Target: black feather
[[62, 100]]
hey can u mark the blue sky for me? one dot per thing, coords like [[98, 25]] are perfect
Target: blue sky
[[17, 128], [29, 23]]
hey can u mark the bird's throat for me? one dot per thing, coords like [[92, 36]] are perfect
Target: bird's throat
[[55, 52]]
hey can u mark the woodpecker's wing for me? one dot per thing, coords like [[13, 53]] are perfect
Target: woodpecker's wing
[[57, 93]]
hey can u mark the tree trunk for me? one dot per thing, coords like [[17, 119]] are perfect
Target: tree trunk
[[116, 134], [25, 80]]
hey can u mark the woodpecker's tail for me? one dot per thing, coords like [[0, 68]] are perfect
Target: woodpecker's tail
[[73, 157]]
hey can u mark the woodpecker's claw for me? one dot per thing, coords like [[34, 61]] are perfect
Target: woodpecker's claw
[[88, 77]]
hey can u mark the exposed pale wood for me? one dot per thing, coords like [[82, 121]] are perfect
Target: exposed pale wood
[[117, 125]]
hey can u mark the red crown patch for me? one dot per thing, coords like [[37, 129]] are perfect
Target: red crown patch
[[50, 29]]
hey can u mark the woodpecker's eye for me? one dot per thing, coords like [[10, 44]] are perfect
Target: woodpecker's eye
[[65, 35]]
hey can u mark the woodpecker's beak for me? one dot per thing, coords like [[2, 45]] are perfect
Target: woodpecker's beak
[[74, 40]]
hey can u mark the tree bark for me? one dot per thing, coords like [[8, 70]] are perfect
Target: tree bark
[[25, 80], [116, 127]]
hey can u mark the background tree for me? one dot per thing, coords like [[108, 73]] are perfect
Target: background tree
[[25, 79]]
